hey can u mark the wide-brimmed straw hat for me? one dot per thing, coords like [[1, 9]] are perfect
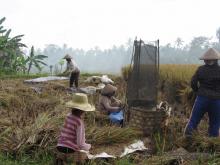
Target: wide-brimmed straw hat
[[80, 101], [67, 56], [210, 54], [108, 89]]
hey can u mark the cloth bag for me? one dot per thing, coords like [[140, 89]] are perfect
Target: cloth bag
[[116, 117]]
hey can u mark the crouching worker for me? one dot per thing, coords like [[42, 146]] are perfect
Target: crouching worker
[[72, 70], [72, 135], [111, 106]]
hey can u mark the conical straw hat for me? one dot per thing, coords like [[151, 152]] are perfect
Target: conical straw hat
[[80, 101], [108, 89], [210, 54]]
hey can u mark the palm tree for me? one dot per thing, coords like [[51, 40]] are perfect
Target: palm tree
[[35, 60], [179, 42]]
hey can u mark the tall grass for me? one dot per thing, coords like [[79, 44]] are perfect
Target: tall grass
[[174, 82], [169, 72], [177, 73]]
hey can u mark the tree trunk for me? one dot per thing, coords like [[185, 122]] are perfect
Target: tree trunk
[[29, 67], [61, 68]]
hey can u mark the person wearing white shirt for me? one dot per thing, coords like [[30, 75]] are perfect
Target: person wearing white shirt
[[72, 70]]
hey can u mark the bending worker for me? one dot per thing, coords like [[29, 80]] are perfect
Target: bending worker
[[206, 83], [111, 106], [72, 70]]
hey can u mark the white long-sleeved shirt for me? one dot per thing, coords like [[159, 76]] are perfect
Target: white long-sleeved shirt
[[72, 66]]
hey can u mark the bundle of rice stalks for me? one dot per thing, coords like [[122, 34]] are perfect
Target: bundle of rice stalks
[[110, 134]]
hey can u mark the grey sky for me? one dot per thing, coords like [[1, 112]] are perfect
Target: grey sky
[[89, 23]]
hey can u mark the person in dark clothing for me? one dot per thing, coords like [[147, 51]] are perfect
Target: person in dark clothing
[[74, 77], [206, 83]]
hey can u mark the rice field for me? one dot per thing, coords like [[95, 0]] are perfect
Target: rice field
[[32, 115]]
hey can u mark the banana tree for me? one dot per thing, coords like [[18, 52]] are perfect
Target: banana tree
[[19, 64], [9, 48], [35, 60]]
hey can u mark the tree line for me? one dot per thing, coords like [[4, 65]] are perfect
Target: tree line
[[49, 59], [111, 60]]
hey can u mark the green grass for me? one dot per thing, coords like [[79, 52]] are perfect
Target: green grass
[[48, 160], [26, 160]]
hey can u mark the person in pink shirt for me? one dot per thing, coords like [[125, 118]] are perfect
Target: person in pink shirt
[[72, 134]]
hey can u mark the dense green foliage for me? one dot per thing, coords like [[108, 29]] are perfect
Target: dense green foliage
[[12, 58], [35, 60]]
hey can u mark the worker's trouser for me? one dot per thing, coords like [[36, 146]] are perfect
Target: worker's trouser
[[74, 77], [201, 106]]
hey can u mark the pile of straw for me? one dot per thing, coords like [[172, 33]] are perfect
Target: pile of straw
[[111, 135], [30, 120]]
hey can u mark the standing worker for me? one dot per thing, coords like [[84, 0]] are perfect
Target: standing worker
[[72, 70], [206, 83]]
